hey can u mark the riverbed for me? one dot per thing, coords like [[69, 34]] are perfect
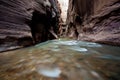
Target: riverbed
[[61, 59]]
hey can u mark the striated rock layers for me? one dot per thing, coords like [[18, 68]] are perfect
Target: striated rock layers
[[24, 22], [94, 20]]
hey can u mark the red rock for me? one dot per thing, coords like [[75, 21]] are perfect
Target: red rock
[[95, 20], [20, 27]]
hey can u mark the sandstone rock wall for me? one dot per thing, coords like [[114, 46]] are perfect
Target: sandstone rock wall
[[94, 20], [25, 22]]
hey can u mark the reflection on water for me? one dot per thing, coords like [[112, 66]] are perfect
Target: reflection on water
[[61, 60], [89, 44], [79, 49], [109, 57], [48, 71], [69, 43]]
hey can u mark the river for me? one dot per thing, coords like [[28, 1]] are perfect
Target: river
[[61, 59]]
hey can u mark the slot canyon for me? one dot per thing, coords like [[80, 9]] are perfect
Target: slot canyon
[[59, 39]]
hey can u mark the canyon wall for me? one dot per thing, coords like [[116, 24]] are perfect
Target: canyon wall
[[25, 22], [94, 20]]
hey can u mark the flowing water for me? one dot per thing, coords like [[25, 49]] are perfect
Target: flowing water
[[61, 60]]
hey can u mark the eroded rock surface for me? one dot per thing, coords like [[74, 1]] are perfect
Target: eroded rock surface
[[95, 20], [24, 22]]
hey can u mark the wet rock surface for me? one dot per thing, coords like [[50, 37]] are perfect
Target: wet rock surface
[[61, 60], [94, 20]]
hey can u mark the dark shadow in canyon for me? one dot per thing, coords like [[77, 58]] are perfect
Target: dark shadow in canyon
[[43, 26]]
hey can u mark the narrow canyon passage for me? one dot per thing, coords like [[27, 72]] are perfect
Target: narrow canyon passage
[[60, 40], [62, 25], [64, 8]]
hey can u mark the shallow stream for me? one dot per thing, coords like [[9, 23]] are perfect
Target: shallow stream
[[61, 60]]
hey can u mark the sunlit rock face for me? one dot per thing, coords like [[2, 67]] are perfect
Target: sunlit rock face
[[64, 8], [94, 20], [23, 22]]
